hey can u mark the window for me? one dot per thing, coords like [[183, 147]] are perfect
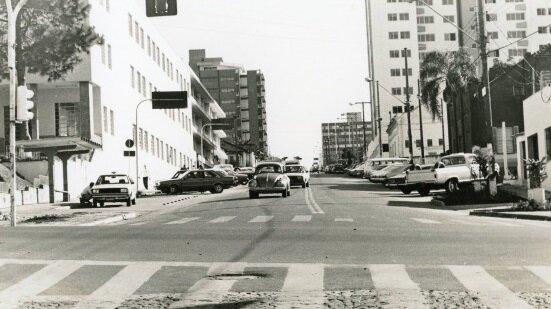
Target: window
[[548, 143], [146, 141], [162, 150], [429, 142], [159, 147], [408, 53], [108, 6], [491, 17], [440, 142], [393, 35], [148, 46], [164, 64], [493, 35], [404, 16], [426, 37], [140, 138], [103, 53], [543, 29], [105, 120], [518, 90], [130, 23], [153, 46], [152, 145], [137, 32], [425, 19], [449, 36], [112, 120], [142, 42], [407, 144], [449, 19], [397, 109], [394, 54], [418, 143], [410, 72], [392, 17], [516, 34], [490, 1], [404, 34], [167, 153], [514, 16], [67, 119], [158, 56], [517, 52], [410, 92], [541, 11], [447, 2], [144, 92], [397, 91], [139, 79], [132, 81], [109, 57], [394, 72]]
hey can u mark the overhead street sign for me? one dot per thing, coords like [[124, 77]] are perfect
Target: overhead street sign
[[222, 123], [169, 99]]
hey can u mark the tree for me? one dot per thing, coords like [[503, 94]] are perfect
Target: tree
[[52, 37], [444, 75]]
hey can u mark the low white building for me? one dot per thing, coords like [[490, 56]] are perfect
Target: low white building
[[83, 121], [535, 141]]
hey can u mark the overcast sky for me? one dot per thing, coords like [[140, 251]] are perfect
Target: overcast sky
[[312, 53]]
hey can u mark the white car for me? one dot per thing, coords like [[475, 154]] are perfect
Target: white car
[[113, 188], [298, 175]]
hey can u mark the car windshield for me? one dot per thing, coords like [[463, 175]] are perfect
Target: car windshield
[[268, 169], [294, 169], [179, 174], [112, 179]]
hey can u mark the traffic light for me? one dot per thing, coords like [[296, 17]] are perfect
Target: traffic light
[[160, 8], [24, 105]]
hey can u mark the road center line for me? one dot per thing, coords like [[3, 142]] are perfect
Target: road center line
[[426, 221], [316, 206], [307, 198]]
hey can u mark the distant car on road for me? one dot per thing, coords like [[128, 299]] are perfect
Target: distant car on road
[[269, 178], [195, 180], [247, 170], [374, 164], [298, 175], [113, 188], [242, 178]]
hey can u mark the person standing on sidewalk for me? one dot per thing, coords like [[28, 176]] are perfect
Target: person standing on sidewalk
[[145, 177]]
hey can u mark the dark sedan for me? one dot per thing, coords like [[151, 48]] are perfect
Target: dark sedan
[[195, 180]]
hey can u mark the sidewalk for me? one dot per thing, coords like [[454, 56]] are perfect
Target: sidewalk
[[508, 213]]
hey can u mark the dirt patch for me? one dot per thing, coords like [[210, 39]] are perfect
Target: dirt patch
[[50, 218]]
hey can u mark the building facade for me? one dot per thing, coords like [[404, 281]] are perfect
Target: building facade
[[82, 121], [343, 139], [393, 26], [241, 95]]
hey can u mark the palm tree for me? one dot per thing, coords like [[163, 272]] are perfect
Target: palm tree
[[444, 75]]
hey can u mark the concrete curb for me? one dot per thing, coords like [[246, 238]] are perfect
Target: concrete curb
[[498, 214], [122, 217], [440, 203]]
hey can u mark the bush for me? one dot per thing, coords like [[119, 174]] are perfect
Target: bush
[[532, 205], [536, 171]]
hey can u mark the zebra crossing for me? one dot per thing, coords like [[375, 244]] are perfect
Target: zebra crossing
[[292, 285]]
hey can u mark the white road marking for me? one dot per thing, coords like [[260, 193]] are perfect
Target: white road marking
[[314, 204], [184, 220], [303, 287], [308, 203], [121, 286], [222, 219], [261, 219], [302, 218], [209, 290], [426, 221], [36, 283], [492, 293], [344, 220], [138, 223], [466, 222], [544, 272], [395, 287]]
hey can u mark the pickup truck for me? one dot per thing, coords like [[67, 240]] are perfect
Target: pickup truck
[[450, 173]]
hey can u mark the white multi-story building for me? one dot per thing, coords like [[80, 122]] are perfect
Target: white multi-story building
[[82, 121], [394, 25]]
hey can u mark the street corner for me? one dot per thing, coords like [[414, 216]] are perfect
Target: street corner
[[512, 213]]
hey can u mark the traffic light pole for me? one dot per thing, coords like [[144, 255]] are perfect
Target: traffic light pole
[[138, 146], [12, 17]]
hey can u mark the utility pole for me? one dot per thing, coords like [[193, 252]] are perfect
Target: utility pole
[[443, 130], [485, 77], [421, 122], [379, 119], [408, 105]]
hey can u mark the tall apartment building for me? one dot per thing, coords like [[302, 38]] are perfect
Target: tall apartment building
[[507, 22], [394, 25], [241, 95], [82, 121], [338, 136]]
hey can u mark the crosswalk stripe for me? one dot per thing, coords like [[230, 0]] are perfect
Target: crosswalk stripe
[[303, 287], [395, 287], [426, 221], [492, 293], [120, 286], [36, 283], [544, 272], [222, 219], [261, 219], [344, 220], [302, 218], [184, 220], [209, 290]]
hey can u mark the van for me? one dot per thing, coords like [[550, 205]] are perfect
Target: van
[[373, 164]]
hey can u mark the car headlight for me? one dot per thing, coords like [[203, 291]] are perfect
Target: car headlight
[[279, 183], [124, 190], [95, 191], [252, 183]]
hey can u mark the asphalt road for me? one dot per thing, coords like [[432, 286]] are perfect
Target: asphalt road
[[348, 226]]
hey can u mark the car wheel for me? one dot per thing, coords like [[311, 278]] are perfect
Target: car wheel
[[174, 189], [129, 202], [405, 190], [308, 184], [253, 195], [289, 191], [284, 193], [133, 201], [95, 203], [218, 188], [424, 190], [452, 186]]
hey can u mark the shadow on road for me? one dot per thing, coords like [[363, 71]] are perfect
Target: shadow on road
[[409, 204], [358, 187]]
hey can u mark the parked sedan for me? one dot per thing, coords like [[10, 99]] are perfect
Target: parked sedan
[[389, 171], [269, 178], [113, 187], [195, 180]]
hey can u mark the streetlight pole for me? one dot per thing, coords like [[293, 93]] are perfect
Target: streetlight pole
[[363, 125], [137, 144], [408, 105], [421, 121], [379, 119]]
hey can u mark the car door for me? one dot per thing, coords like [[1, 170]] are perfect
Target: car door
[[192, 181], [208, 180]]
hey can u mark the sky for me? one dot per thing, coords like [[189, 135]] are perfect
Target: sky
[[313, 55]]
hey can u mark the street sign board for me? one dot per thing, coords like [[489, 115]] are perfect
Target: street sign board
[[129, 143], [129, 153], [222, 123], [169, 99], [155, 8]]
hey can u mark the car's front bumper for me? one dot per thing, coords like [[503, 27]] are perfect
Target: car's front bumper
[[110, 197], [267, 190]]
